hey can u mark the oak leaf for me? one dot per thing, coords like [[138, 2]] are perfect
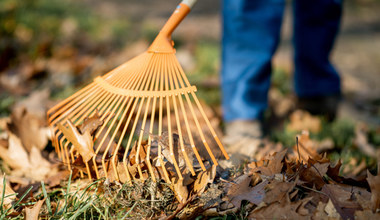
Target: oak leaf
[[374, 184], [83, 143], [341, 199], [274, 166], [278, 191], [241, 190]]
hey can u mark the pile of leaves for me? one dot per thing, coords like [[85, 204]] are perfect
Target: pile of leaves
[[299, 182]]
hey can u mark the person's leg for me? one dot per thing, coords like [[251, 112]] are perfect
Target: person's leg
[[316, 24], [251, 31]]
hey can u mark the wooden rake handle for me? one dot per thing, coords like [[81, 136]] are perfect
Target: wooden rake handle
[[163, 42]]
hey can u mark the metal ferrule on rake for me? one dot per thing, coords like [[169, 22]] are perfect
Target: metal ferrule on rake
[[123, 111]]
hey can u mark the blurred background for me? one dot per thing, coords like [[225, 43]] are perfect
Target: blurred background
[[52, 48]]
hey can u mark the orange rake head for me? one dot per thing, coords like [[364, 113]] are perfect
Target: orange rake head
[[140, 120]]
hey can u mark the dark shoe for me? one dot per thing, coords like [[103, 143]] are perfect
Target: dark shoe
[[326, 106]]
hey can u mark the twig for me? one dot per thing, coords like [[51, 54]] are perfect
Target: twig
[[298, 149]]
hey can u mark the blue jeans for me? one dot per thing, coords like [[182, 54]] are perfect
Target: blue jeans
[[251, 32]]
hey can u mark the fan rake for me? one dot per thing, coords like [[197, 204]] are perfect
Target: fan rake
[[140, 120]]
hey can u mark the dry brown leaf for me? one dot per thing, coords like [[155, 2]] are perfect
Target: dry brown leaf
[[274, 166], [241, 190], [277, 191], [31, 130], [8, 197], [180, 190], [3, 122], [302, 120], [305, 148], [283, 210], [214, 121], [361, 141], [341, 200], [32, 213], [313, 174], [280, 104], [15, 156], [178, 154], [364, 202], [331, 210], [55, 180], [374, 184], [83, 143], [203, 179], [366, 215], [36, 104], [333, 173], [31, 165], [91, 124], [319, 212], [40, 168], [268, 148]]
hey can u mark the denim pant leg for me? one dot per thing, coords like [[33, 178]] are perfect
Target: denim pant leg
[[251, 30], [316, 24]]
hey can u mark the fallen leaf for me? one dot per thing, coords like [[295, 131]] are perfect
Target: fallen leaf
[[180, 190], [361, 141], [3, 122], [164, 141], [214, 121], [203, 179], [302, 120], [241, 190], [35, 104], [91, 124], [319, 212], [313, 174], [32, 213], [276, 191], [40, 168], [31, 130], [341, 200], [8, 197], [280, 104], [331, 210], [366, 214], [274, 166], [31, 165], [282, 210], [306, 147], [333, 173], [374, 184], [268, 148], [364, 202], [15, 155], [83, 143], [55, 180]]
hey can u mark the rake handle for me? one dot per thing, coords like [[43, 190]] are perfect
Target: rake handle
[[178, 15], [163, 42]]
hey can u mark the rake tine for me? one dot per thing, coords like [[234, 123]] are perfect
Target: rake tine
[[188, 163]]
